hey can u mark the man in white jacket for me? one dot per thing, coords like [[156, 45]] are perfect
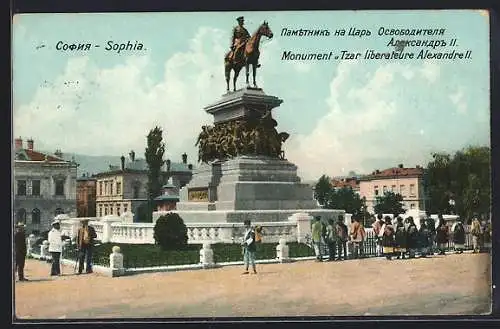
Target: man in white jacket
[[55, 248]]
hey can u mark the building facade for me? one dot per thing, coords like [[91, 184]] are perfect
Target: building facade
[[349, 182], [44, 186], [86, 196], [405, 181], [124, 188]]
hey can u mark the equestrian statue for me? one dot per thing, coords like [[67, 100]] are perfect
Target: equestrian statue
[[244, 51]]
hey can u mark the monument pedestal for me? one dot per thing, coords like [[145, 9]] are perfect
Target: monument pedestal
[[258, 188]]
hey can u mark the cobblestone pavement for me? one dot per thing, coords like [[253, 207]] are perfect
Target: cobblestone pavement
[[451, 284]]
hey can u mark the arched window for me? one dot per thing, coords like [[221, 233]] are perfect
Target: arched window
[[59, 211], [21, 215], [35, 216]]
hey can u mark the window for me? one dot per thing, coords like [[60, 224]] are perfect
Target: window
[[125, 208], [35, 216], [412, 189], [105, 210], [402, 190], [412, 206], [35, 187], [21, 215], [21, 187], [118, 210], [376, 189], [100, 188], [394, 188], [59, 186], [100, 210], [106, 188], [384, 189], [59, 211], [118, 188]]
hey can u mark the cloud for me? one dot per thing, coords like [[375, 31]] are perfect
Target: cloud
[[362, 110], [111, 110], [458, 100], [430, 71]]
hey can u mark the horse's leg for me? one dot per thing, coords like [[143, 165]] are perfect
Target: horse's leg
[[254, 68], [247, 67], [236, 73], [227, 70]]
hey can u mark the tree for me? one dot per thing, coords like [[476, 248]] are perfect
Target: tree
[[389, 203], [345, 198], [463, 178], [322, 189], [170, 232], [154, 158]]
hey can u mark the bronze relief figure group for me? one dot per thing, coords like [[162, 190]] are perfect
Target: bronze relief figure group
[[254, 136]]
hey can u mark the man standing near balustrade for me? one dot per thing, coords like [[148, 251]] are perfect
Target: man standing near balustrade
[[20, 250], [249, 247], [85, 242]]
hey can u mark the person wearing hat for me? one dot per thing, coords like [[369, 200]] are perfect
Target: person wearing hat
[[387, 235], [342, 238], [317, 232], [476, 232], [85, 242], [459, 237], [249, 247], [20, 251], [55, 247], [239, 39]]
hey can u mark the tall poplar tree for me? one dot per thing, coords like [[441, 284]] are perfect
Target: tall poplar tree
[[154, 158]]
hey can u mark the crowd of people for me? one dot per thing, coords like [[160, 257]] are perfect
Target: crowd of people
[[395, 238]]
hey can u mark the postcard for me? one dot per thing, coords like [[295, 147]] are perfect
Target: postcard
[[251, 164]]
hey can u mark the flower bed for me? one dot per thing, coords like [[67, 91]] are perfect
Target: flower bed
[[137, 256]]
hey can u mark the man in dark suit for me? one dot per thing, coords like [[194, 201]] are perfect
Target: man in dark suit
[[85, 242], [20, 251], [249, 247]]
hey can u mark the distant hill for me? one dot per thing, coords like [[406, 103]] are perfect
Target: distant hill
[[93, 164]]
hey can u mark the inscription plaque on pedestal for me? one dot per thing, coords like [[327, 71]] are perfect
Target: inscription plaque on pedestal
[[198, 195]]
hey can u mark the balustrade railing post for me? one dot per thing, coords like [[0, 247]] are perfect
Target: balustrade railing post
[[303, 221]]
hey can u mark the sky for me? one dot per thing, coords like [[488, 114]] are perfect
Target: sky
[[343, 115]]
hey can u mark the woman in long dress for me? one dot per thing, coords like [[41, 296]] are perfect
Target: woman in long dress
[[387, 235]]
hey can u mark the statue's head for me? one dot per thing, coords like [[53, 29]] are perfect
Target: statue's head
[[265, 30], [240, 20]]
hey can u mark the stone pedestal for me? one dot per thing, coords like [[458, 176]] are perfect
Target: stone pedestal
[[258, 188], [242, 103]]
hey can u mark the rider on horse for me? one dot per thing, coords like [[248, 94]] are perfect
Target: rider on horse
[[239, 40]]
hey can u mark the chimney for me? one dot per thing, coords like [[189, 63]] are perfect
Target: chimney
[[184, 158], [132, 156], [31, 143], [122, 159], [18, 143], [168, 162]]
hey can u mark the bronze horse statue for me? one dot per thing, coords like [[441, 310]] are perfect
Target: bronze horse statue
[[249, 56]]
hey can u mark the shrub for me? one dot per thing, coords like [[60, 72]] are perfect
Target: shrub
[[170, 232]]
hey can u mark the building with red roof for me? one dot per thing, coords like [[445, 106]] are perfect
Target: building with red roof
[[44, 186], [405, 181]]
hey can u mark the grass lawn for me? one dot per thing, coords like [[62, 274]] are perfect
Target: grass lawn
[[139, 255]]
